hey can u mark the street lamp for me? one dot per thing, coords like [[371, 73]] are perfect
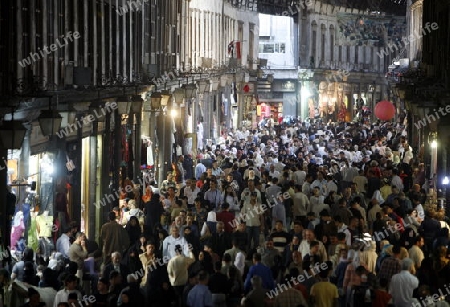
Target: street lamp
[[155, 100], [215, 85], [165, 98], [50, 122], [178, 94], [12, 133], [123, 105], [136, 103], [203, 86], [223, 80], [190, 90]]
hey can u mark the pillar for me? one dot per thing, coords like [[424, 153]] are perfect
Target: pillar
[[117, 154], [5, 220], [76, 187], [91, 210], [106, 165], [137, 145]]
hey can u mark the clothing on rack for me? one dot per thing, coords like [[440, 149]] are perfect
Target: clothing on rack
[[32, 235], [46, 247], [18, 228]]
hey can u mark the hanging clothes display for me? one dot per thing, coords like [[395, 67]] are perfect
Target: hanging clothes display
[[18, 227], [200, 135], [44, 226], [46, 197], [150, 160], [33, 242]]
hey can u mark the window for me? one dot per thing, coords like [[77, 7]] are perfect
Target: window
[[272, 47]]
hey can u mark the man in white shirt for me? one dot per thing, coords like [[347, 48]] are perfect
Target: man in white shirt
[[300, 204], [306, 187], [70, 284], [403, 284], [63, 242], [304, 247], [320, 183], [177, 269], [200, 168], [343, 228], [172, 240], [272, 172], [416, 253], [331, 185], [273, 191], [191, 191], [299, 176]]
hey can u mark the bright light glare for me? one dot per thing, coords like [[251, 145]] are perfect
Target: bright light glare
[[434, 144], [305, 92], [173, 113], [445, 180], [49, 169]]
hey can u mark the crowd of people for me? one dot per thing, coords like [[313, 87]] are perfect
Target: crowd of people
[[309, 214]]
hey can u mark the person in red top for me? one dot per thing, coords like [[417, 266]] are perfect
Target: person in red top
[[226, 217], [382, 296]]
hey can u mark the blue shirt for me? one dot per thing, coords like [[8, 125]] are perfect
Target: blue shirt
[[200, 296], [200, 168], [262, 271]]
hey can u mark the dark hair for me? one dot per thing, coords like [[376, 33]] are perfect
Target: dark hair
[[257, 256], [396, 249], [178, 249], [313, 243], [226, 257], [202, 275], [70, 278], [324, 273], [104, 281], [306, 264], [32, 291], [111, 216], [384, 282], [113, 274], [28, 255]]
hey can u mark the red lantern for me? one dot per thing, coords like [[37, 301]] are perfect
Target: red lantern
[[385, 110], [246, 88]]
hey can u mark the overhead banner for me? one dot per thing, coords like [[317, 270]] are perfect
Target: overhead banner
[[372, 31]]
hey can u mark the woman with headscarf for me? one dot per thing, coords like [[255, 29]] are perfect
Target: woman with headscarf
[[133, 229], [153, 212], [204, 262], [209, 228], [132, 262], [369, 256]]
